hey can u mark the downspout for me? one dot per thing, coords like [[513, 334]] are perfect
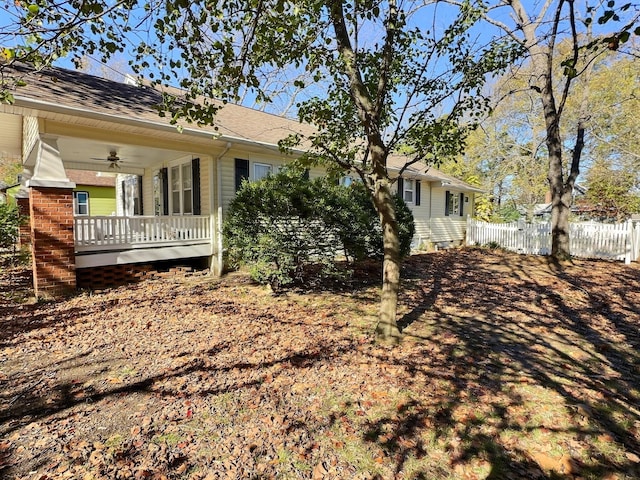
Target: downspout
[[218, 262]]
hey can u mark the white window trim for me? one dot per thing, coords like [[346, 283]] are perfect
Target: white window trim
[[77, 204]]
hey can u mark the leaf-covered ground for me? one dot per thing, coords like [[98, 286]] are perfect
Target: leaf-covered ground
[[508, 370]]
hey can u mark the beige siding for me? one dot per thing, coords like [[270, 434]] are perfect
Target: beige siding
[[205, 192], [421, 216], [420, 213], [447, 229], [227, 170]]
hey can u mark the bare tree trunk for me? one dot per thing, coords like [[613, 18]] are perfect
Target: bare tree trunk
[[560, 201], [387, 329]]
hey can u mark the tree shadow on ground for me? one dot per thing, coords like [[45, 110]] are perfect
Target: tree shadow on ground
[[482, 345], [516, 329]]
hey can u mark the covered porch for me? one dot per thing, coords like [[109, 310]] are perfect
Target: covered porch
[[176, 213]]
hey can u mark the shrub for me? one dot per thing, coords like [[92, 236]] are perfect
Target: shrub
[[283, 224], [9, 225]]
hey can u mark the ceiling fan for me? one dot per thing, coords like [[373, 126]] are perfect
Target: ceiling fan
[[113, 159]]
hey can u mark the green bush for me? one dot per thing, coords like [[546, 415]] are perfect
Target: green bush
[[9, 225], [284, 224]]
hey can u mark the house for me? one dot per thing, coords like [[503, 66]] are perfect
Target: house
[[94, 193], [179, 182], [542, 211]]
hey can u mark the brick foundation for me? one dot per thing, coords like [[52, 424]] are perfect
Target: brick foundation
[[52, 248], [97, 278]]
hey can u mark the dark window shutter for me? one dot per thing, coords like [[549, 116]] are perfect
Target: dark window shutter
[[242, 171], [401, 187], [195, 176], [462, 204], [417, 194], [164, 176], [446, 203], [140, 205]]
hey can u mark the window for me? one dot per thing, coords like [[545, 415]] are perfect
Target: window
[[187, 191], [181, 182], [261, 170], [453, 204], [241, 171], [407, 194], [175, 190], [81, 203], [409, 190]]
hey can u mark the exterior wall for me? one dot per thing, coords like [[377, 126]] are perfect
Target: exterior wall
[[450, 228], [421, 213], [227, 170], [102, 200], [53, 256], [205, 184]]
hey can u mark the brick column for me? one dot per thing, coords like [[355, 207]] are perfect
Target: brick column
[[52, 241], [24, 233]]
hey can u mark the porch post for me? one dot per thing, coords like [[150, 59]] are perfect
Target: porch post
[[51, 212]]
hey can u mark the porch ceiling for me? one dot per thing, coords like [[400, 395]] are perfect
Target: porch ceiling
[[84, 154]]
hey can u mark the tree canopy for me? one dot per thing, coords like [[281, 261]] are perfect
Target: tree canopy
[[508, 156]]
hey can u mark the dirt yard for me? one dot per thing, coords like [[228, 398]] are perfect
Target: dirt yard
[[508, 370]]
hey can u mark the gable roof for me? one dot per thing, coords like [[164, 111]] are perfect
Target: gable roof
[[79, 94]]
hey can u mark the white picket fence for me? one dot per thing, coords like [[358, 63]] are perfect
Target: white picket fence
[[587, 240]]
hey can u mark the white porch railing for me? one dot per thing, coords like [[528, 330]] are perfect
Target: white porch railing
[[587, 240], [94, 233]]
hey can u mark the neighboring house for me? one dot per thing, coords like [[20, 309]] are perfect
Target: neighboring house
[[94, 193], [174, 185], [542, 211]]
